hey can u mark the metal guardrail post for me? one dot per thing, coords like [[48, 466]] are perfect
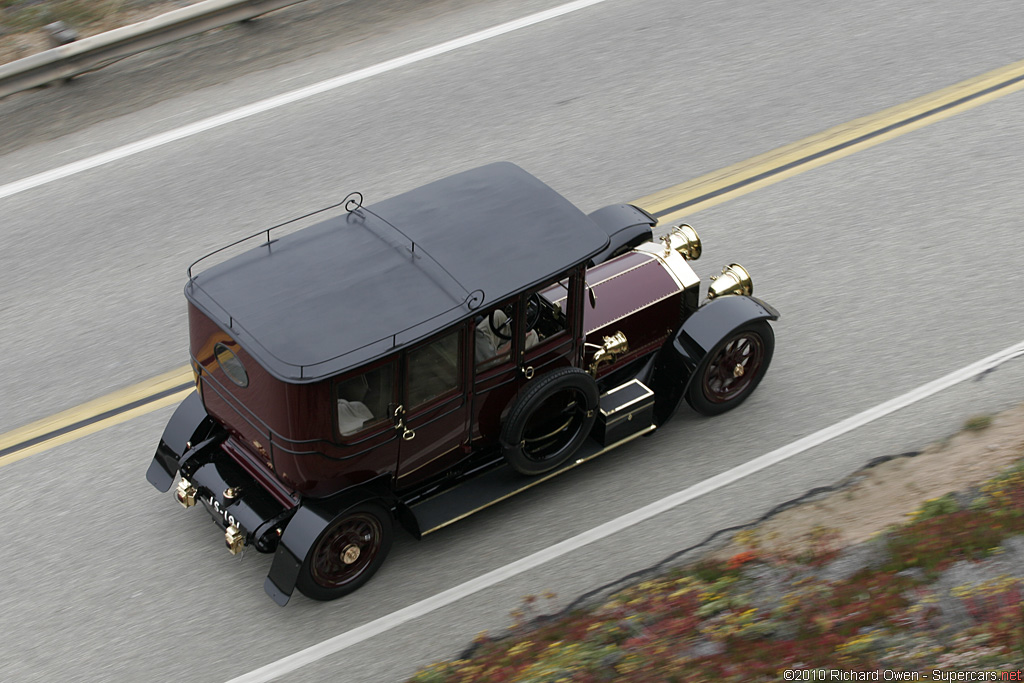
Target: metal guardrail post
[[93, 52]]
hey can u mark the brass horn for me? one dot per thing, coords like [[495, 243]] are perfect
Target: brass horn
[[734, 280]]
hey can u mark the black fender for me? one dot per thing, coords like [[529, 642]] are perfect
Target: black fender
[[306, 525], [627, 226], [673, 368], [189, 424]]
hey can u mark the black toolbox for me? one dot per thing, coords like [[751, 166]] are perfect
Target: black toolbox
[[624, 411]]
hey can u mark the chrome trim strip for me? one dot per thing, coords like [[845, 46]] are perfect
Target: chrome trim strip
[[594, 285], [422, 465], [631, 312], [621, 272], [642, 397], [534, 482], [626, 384], [673, 262]]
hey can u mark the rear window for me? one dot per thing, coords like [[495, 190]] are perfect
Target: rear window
[[231, 364]]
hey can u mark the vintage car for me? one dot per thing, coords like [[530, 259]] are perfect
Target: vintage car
[[414, 362]]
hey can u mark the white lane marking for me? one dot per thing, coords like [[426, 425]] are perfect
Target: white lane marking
[[377, 626], [283, 99]]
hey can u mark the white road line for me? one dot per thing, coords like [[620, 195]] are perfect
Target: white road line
[[376, 627], [286, 98]]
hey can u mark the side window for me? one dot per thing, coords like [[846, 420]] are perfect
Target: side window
[[546, 312], [433, 370], [363, 400], [492, 336]]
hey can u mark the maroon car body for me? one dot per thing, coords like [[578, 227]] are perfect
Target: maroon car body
[[419, 360]]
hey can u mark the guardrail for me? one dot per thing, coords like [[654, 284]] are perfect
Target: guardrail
[[91, 53]]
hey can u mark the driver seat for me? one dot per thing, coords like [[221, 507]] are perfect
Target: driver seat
[[487, 342]]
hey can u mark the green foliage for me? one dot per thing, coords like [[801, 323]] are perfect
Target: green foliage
[[710, 570], [978, 423], [934, 544], [937, 506]]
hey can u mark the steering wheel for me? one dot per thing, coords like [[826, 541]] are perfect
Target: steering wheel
[[504, 330]]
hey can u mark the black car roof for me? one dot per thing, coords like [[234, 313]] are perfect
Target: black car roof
[[356, 287]]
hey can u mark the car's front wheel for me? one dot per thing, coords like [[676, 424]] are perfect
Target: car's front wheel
[[731, 371], [347, 553]]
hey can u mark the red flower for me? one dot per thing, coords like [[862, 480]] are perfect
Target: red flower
[[740, 559]]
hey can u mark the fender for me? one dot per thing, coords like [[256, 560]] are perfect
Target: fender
[[189, 423], [627, 226], [309, 521], [671, 373]]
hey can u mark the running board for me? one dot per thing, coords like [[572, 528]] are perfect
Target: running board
[[496, 485]]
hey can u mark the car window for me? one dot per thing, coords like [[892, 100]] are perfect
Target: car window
[[546, 312], [363, 400], [433, 370], [492, 336], [231, 364]]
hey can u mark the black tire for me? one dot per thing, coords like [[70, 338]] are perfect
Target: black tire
[[715, 386], [327, 574], [549, 421]]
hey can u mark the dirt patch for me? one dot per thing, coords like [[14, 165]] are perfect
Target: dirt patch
[[871, 500]]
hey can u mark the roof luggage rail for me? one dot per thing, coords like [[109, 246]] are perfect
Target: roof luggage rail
[[352, 202]]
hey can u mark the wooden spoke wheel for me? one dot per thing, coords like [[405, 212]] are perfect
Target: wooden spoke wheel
[[347, 553], [729, 373]]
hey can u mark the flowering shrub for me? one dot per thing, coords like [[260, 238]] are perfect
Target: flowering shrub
[[703, 623]]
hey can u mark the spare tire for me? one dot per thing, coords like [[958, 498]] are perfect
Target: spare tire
[[549, 421]]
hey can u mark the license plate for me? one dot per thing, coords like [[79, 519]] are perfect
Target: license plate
[[217, 511]]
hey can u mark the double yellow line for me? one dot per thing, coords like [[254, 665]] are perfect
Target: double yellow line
[[674, 203], [98, 414], [668, 205]]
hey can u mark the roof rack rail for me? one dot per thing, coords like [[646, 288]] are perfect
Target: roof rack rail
[[470, 296], [352, 202]]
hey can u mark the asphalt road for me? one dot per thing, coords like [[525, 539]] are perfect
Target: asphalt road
[[891, 267]]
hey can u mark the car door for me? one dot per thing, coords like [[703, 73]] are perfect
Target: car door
[[365, 439], [433, 416], [551, 335], [495, 368]]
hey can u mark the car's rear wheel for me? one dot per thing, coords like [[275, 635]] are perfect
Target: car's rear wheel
[[549, 421], [731, 371], [347, 553]]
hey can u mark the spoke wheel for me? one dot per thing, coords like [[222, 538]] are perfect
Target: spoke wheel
[[347, 553], [731, 371]]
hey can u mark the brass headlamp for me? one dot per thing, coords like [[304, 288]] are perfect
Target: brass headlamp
[[734, 280], [683, 238]]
